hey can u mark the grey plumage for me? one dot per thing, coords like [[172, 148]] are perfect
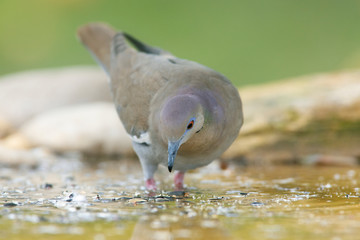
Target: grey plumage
[[166, 103]]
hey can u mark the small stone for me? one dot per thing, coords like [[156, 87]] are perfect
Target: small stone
[[178, 194], [159, 198], [162, 199], [47, 186], [216, 199], [10, 204], [122, 199], [257, 204], [137, 200]]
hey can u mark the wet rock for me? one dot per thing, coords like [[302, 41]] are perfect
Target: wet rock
[[34, 92], [137, 201], [122, 199], [289, 120], [163, 199], [10, 204], [257, 204], [178, 194], [216, 199], [92, 128]]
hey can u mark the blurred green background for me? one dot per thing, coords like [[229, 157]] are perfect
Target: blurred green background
[[250, 41]]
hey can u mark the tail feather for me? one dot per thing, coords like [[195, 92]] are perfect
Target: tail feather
[[97, 38], [142, 47]]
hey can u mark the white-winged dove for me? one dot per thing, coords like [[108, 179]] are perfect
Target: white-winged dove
[[178, 113]]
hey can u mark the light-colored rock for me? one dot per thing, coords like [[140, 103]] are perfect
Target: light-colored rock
[[18, 157], [16, 141], [24, 95], [289, 120], [5, 128], [285, 121], [296, 100], [92, 128]]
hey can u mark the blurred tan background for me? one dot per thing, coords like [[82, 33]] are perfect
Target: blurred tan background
[[249, 41]]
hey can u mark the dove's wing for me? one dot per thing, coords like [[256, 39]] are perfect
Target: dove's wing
[[136, 76]]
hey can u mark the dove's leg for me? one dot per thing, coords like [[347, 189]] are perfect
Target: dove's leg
[[150, 184], [149, 166], [149, 170], [179, 180]]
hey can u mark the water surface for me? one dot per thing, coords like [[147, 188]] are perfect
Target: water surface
[[71, 199]]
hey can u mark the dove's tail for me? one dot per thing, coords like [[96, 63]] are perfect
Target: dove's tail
[[102, 41], [97, 38]]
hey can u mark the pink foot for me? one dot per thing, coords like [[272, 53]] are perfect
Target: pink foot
[[150, 184], [179, 180]]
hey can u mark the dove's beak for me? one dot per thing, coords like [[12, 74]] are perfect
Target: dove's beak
[[173, 147]]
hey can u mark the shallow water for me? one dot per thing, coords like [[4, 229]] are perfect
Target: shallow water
[[71, 199]]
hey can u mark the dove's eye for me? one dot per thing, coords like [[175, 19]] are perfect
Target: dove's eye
[[190, 125]]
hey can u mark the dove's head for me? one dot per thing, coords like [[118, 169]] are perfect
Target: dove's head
[[180, 119]]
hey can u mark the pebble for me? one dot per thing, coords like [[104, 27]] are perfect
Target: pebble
[[10, 204], [47, 186], [216, 199], [178, 194], [257, 204], [137, 200], [122, 199]]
